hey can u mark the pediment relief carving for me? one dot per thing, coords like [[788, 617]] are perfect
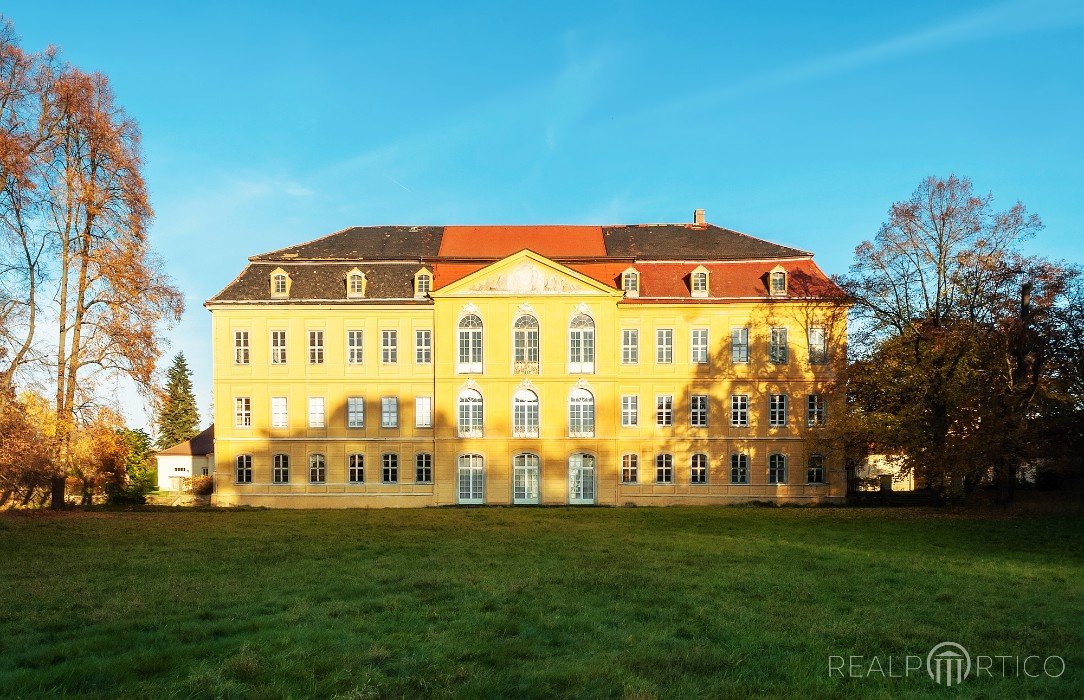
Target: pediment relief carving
[[527, 278]]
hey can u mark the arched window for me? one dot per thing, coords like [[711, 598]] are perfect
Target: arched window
[[777, 469], [355, 285], [525, 480], [470, 345], [317, 469], [698, 282], [470, 413], [581, 345], [581, 413], [279, 284], [280, 471], [525, 345], [778, 283], [423, 284], [471, 478], [630, 283], [525, 414]]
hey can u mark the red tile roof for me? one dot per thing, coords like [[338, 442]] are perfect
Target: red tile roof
[[501, 241]]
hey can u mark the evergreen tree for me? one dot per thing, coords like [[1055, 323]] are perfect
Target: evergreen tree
[[179, 419]]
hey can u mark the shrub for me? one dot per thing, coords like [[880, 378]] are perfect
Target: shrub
[[199, 485]]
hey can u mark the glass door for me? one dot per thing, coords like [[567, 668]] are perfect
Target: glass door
[[525, 489], [581, 479], [472, 480]]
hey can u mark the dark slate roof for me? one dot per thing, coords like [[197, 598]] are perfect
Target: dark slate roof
[[366, 243], [322, 281], [690, 242], [202, 444]]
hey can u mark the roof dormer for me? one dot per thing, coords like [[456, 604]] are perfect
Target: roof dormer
[[355, 284], [280, 283], [777, 281], [423, 283], [699, 280], [630, 282]]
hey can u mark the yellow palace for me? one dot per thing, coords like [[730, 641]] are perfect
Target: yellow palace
[[513, 365]]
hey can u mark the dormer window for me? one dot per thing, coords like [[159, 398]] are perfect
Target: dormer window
[[778, 282], [280, 284], [698, 282], [355, 284], [630, 282], [423, 283]]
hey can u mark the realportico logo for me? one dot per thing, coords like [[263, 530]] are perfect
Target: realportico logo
[[948, 664]]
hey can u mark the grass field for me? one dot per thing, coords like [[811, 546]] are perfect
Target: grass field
[[626, 602]]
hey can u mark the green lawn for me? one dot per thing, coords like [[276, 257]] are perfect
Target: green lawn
[[618, 602]]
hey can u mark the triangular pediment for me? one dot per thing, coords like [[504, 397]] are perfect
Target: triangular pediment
[[526, 273]]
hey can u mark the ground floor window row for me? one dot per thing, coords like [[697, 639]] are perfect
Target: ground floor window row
[[526, 467]]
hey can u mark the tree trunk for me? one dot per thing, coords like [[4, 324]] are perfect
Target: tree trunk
[[56, 501]]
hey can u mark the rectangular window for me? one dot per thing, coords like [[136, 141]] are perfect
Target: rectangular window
[[316, 347], [390, 468], [244, 469], [389, 347], [423, 347], [355, 468], [777, 469], [240, 348], [389, 412], [664, 346], [278, 347], [630, 346], [815, 469], [818, 346], [739, 468], [664, 469], [280, 469], [280, 416], [739, 410], [354, 353], [778, 353], [699, 344], [316, 412], [242, 412], [698, 410], [777, 410], [423, 412], [423, 468], [355, 412], [698, 469], [317, 469], [815, 410], [664, 410], [630, 411], [739, 345], [630, 469]]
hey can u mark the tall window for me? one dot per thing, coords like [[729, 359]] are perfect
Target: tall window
[[470, 345], [815, 410], [630, 346], [630, 283], [739, 345], [471, 477], [700, 284], [356, 285], [664, 469], [698, 410], [316, 347], [242, 412], [664, 346], [355, 468], [317, 469], [779, 283], [815, 469], [389, 412], [354, 348], [739, 468], [699, 346], [470, 413], [525, 415], [389, 463], [777, 410], [389, 347], [630, 469], [278, 285], [777, 469], [280, 417], [423, 285], [355, 412], [664, 410], [316, 412], [630, 411], [280, 469], [581, 413], [525, 478], [698, 469], [581, 345], [278, 347], [244, 469], [777, 347], [423, 468], [240, 348], [739, 410], [423, 347], [423, 412], [818, 346], [525, 345]]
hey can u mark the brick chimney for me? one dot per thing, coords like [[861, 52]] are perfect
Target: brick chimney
[[698, 217]]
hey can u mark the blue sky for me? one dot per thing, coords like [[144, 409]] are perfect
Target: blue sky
[[271, 123]]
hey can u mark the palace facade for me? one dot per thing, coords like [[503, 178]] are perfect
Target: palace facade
[[438, 365]]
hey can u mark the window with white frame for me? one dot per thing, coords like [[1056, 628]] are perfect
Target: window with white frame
[[242, 412], [389, 412], [525, 345], [698, 410], [664, 410], [739, 410], [777, 410], [778, 283], [699, 346], [777, 469], [423, 346], [698, 469], [664, 469], [280, 414], [355, 285], [664, 346], [581, 413], [389, 347], [354, 348], [818, 346], [630, 283], [240, 348], [317, 469], [279, 285], [280, 469], [525, 414], [470, 345], [739, 345], [526, 468], [471, 479], [355, 412], [700, 283], [739, 468], [423, 411], [581, 345], [278, 347], [630, 469], [815, 410], [316, 412], [778, 351], [630, 411], [470, 413], [423, 284], [316, 347], [355, 468], [243, 474], [423, 468], [389, 463], [815, 469], [630, 346]]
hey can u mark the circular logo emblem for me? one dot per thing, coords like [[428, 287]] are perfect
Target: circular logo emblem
[[948, 663]]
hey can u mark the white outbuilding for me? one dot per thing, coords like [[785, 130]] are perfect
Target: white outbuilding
[[195, 457]]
